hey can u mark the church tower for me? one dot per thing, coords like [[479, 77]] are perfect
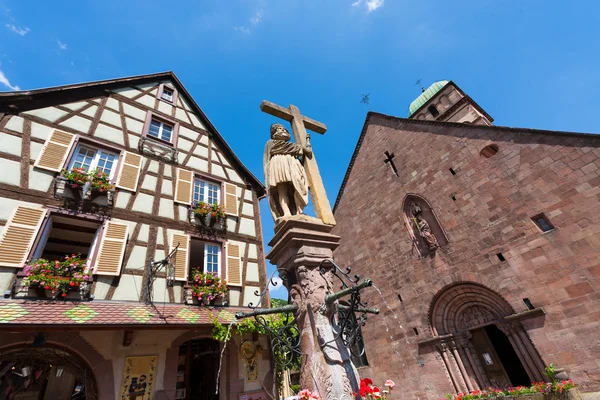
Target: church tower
[[445, 101]]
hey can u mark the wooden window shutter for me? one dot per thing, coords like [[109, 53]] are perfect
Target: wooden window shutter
[[234, 265], [112, 249], [19, 234], [182, 259], [231, 199], [183, 187], [130, 172], [55, 151]]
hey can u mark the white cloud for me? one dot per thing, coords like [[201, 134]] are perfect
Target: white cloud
[[278, 287], [18, 30], [61, 45], [242, 29], [371, 5], [257, 19], [4, 80]]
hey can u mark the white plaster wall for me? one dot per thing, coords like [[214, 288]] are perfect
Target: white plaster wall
[[137, 260], [130, 287], [184, 144], [103, 283], [159, 236], [127, 92], [198, 164], [40, 179], [159, 293], [153, 167], [231, 224], [8, 206], [165, 107], [78, 123], [144, 233], [111, 117], [196, 122], [180, 158], [15, 124], [248, 209], [147, 101], [165, 208], [252, 272], [6, 278], [35, 150], [133, 141], [143, 203], [217, 170], [134, 112], [10, 144], [252, 251], [76, 105], [187, 133], [134, 125], [180, 115], [122, 199], [167, 187], [168, 171], [235, 293], [40, 131], [247, 226], [11, 172], [183, 213], [249, 296], [149, 183], [248, 195], [90, 112], [201, 151], [234, 176], [112, 103], [110, 134], [181, 102], [48, 113]]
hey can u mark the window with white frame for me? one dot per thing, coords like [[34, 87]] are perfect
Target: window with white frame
[[160, 130], [206, 256], [92, 158], [206, 191], [167, 94]]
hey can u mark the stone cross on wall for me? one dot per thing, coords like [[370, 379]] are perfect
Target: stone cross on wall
[[300, 124]]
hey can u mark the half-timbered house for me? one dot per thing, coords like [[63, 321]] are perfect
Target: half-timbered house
[[133, 329]]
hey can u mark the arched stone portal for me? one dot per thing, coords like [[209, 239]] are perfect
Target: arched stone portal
[[480, 339], [45, 373]]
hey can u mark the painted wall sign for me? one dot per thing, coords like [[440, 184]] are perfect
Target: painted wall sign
[[138, 378]]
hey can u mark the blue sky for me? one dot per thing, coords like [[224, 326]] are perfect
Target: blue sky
[[528, 63]]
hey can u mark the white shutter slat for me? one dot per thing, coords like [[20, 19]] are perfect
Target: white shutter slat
[[181, 258], [55, 151], [183, 186], [234, 265], [19, 234], [129, 173], [112, 249], [231, 199]]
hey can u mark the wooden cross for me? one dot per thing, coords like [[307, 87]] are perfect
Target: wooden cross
[[389, 158], [300, 124]]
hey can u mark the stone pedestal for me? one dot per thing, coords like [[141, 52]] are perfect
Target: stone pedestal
[[299, 249]]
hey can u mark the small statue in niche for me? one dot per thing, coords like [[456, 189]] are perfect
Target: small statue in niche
[[285, 176], [423, 227]]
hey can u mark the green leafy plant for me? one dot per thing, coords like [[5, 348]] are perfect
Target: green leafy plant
[[58, 276], [99, 181], [217, 211], [207, 287], [202, 209], [78, 177]]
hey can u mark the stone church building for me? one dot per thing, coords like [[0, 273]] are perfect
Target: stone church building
[[128, 326], [484, 242]]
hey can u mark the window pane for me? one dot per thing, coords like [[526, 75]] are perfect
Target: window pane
[[213, 193], [84, 158], [199, 190], [154, 128], [212, 258], [166, 132], [105, 161]]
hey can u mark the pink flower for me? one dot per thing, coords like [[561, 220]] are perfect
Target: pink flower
[[389, 383]]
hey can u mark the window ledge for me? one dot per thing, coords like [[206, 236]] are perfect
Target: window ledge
[[158, 148], [75, 196]]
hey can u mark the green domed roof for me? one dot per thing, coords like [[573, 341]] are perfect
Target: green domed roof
[[425, 96]]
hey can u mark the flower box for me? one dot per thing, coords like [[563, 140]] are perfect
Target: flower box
[[218, 224], [68, 278], [63, 189], [208, 289]]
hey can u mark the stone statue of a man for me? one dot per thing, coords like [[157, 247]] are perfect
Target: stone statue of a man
[[285, 177], [423, 227]]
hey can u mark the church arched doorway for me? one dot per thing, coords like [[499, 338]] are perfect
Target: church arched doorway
[[45, 374], [197, 370], [480, 344]]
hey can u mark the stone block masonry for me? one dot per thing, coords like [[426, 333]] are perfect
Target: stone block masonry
[[533, 172]]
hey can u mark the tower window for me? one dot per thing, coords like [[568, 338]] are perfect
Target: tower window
[[433, 110], [489, 151], [542, 222], [501, 257]]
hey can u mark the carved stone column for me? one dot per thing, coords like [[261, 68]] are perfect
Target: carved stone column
[[461, 366], [464, 343], [511, 330], [459, 386], [299, 249]]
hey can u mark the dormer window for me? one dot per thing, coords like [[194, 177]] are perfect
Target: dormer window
[[433, 110], [167, 95]]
